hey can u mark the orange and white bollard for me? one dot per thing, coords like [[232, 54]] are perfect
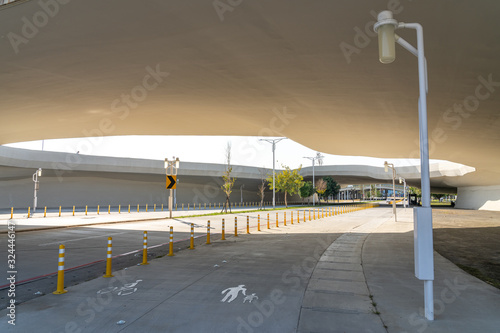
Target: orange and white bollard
[[291, 217], [86, 208], [108, 258], [60, 272], [29, 212], [109, 209], [277, 221], [59, 211], [171, 243], [145, 249], [146, 208], [191, 241], [11, 213], [235, 227], [309, 215], [258, 222], [223, 230], [208, 232], [73, 210], [97, 209], [268, 226], [119, 209], [284, 219], [304, 216], [248, 224], [154, 208], [45, 211]]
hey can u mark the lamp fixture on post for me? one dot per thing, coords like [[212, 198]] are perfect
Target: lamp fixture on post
[[422, 216]]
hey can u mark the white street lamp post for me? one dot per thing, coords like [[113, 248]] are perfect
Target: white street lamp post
[[402, 180], [313, 159], [386, 168], [422, 216], [173, 165], [38, 173], [273, 142]]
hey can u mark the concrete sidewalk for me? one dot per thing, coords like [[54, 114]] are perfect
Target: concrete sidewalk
[[347, 273]]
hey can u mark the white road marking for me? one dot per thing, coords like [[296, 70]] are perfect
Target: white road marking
[[78, 239]]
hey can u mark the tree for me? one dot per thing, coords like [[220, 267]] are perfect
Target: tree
[[332, 188], [306, 190], [228, 181], [415, 190], [262, 187], [321, 187], [287, 181]]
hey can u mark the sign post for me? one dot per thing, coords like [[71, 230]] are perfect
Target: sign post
[[171, 181]]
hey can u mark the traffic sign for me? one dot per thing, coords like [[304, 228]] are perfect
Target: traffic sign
[[171, 182]]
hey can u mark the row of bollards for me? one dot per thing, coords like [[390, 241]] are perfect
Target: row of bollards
[[328, 211]]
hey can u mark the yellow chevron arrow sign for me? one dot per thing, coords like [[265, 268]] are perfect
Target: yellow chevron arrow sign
[[171, 182]]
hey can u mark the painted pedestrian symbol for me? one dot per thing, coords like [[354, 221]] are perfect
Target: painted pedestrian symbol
[[250, 298], [233, 292]]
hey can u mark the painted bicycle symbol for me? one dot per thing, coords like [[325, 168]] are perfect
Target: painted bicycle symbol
[[127, 289]]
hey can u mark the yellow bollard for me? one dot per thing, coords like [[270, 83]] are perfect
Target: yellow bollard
[[171, 243], [304, 216], [277, 222], [137, 208], [188, 206], [182, 206], [258, 222], [146, 208], [284, 219], [109, 209], [154, 208], [11, 213], [85, 209], [309, 215], [199, 205], [314, 214], [73, 210], [29, 212], [129, 208], [45, 212], [223, 230], [119, 209], [145, 249], [248, 224], [322, 213], [60, 272], [59, 211], [97, 209], [291, 219], [205, 205], [108, 258], [191, 241], [268, 227], [235, 227], [208, 232]]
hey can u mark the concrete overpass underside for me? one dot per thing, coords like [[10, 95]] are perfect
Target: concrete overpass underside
[[305, 70]]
